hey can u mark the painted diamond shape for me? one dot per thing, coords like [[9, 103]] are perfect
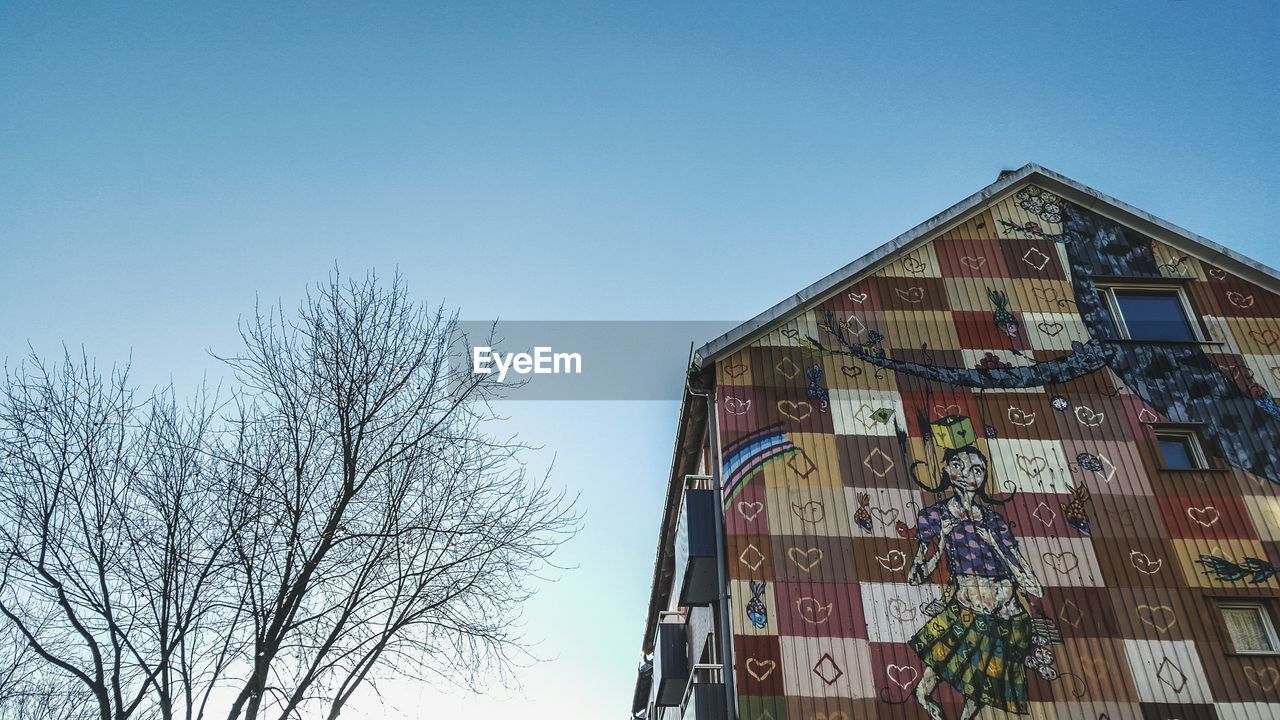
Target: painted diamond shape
[[865, 415], [801, 465], [786, 368], [1170, 674], [1070, 614], [1035, 259], [877, 462], [1108, 468], [1044, 514], [752, 557], [827, 669], [855, 325]]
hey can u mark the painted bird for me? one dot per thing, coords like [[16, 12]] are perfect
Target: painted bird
[[816, 392], [1004, 320], [1263, 400], [872, 346], [1074, 511], [862, 516], [757, 613]]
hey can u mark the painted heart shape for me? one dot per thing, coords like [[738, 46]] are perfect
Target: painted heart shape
[[1124, 517], [737, 406], [1061, 562], [1052, 329], [1267, 337], [899, 610], [1160, 617], [858, 297], [1089, 417], [911, 294], [1217, 273], [810, 512], [1032, 466], [736, 370], [893, 561], [797, 411], [1264, 678], [806, 560], [1045, 294], [941, 411], [1020, 417], [886, 518], [750, 510], [1233, 371], [1239, 300], [1144, 564], [760, 669], [904, 676], [1205, 516], [812, 611], [1095, 668], [973, 263], [790, 333], [850, 370]]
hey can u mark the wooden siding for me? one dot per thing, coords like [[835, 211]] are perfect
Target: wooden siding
[[817, 521]]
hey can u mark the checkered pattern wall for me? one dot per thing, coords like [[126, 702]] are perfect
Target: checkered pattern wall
[[834, 428]]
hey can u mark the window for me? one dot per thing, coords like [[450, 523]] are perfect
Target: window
[[1180, 449], [1249, 627], [1153, 313]]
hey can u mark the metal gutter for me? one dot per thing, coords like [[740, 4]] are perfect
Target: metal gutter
[[725, 632], [690, 430]]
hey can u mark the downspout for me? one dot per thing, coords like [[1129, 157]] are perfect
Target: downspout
[[722, 570]]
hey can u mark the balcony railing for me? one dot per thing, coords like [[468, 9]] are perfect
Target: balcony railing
[[704, 697]]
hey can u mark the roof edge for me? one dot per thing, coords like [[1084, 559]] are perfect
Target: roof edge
[[1076, 192]]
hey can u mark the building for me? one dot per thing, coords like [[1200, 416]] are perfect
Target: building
[[1022, 459]]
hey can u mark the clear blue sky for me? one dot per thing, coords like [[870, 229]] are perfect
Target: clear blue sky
[[159, 165]]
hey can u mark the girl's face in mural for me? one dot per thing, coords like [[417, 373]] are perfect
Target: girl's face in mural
[[967, 471]]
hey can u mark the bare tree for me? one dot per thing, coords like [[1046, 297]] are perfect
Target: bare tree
[[347, 516], [393, 533], [104, 557]]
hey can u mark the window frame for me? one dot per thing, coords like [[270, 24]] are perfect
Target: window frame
[[1108, 291], [1191, 434], [1263, 609]]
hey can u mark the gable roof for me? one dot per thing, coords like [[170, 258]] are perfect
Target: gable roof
[[1198, 246]]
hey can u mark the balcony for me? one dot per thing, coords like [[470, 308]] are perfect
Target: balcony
[[670, 661], [696, 576]]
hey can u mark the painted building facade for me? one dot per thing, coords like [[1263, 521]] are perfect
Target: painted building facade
[[1022, 460]]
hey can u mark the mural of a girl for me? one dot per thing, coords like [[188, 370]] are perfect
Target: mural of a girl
[[981, 638]]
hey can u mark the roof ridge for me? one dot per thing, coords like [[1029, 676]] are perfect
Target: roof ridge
[[1075, 191]]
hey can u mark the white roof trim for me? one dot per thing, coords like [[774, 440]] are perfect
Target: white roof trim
[[1200, 247]]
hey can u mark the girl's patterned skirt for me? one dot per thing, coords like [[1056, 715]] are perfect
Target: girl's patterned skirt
[[980, 655]]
